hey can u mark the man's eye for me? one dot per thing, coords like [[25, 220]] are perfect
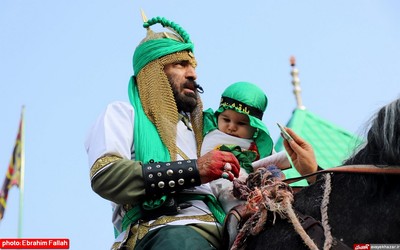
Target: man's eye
[[181, 63]]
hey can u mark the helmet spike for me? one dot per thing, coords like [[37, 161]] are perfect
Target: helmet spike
[[144, 18]]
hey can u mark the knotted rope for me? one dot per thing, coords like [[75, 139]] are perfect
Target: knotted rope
[[265, 191]]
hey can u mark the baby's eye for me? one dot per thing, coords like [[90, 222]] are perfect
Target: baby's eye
[[226, 120]]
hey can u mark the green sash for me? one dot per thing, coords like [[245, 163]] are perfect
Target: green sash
[[148, 146]]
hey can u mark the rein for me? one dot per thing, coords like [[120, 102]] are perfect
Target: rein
[[358, 169]]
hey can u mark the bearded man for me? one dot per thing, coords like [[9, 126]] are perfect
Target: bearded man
[[144, 155]]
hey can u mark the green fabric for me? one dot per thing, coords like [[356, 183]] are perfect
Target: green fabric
[[172, 238], [245, 157], [154, 49], [210, 121], [153, 204], [247, 93], [211, 202], [135, 213], [148, 144], [146, 132], [131, 216]]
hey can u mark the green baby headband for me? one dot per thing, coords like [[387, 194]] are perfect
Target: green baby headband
[[156, 45], [246, 98]]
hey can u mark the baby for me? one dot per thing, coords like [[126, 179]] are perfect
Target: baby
[[237, 127]]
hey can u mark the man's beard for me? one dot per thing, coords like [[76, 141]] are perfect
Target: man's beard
[[188, 102]]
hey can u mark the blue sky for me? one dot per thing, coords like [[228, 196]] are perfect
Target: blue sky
[[65, 60]]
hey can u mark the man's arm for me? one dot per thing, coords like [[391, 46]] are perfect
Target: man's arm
[[117, 178], [109, 144], [120, 182]]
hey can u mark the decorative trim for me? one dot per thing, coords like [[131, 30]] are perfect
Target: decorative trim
[[181, 153], [242, 107], [139, 230], [101, 163]]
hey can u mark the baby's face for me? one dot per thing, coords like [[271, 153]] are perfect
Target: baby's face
[[235, 124]]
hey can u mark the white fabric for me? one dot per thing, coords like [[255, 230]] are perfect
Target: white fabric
[[222, 188], [281, 160], [113, 132], [216, 138]]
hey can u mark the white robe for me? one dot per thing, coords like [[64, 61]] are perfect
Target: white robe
[[113, 133]]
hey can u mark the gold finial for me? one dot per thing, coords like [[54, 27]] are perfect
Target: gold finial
[[144, 18], [296, 83]]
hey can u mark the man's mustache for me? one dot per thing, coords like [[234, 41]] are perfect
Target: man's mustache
[[193, 84], [199, 88]]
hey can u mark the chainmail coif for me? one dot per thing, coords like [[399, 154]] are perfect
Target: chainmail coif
[[159, 103]]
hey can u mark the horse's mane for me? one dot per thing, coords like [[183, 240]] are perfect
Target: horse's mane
[[361, 209], [372, 185]]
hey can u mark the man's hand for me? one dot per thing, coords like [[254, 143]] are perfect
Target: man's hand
[[302, 155], [218, 164]]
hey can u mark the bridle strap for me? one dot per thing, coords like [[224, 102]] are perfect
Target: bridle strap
[[360, 169]]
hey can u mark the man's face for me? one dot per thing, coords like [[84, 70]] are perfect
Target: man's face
[[181, 75]]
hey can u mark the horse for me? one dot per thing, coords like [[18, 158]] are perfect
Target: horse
[[349, 207]]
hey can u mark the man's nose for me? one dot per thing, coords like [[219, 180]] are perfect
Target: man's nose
[[191, 72]]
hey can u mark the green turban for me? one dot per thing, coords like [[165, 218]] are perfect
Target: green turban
[[157, 45]]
